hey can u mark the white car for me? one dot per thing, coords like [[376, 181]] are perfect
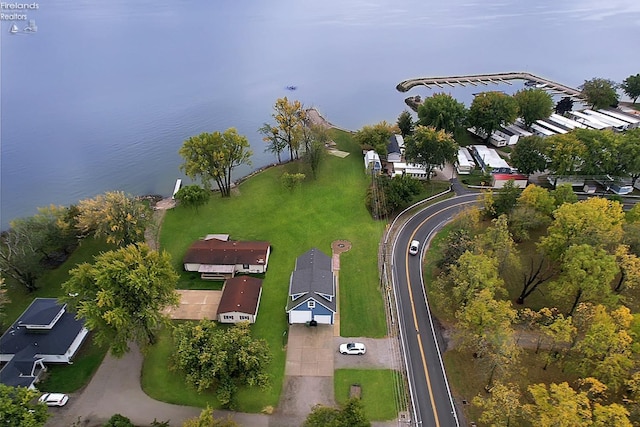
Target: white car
[[352, 348], [54, 399], [413, 248]]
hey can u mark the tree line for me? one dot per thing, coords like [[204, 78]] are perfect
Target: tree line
[[586, 272]]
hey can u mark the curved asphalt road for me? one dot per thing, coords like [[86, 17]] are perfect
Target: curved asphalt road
[[430, 394]]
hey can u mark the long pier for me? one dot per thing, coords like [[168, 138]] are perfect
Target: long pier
[[485, 79]]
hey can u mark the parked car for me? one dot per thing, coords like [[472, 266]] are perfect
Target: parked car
[[54, 399], [413, 248], [352, 348]]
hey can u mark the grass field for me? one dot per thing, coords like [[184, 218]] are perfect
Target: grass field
[[378, 401], [320, 211]]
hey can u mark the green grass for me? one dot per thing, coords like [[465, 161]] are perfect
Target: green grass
[[63, 378], [329, 208], [377, 388], [70, 378], [476, 177]]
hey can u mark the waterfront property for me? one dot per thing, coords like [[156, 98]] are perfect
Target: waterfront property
[[240, 300], [465, 163], [44, 333], [395, 149], [216, 257], [312, 289], [372, 162], [489, 159]]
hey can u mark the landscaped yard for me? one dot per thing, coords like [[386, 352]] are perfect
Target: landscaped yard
[[378, 391]]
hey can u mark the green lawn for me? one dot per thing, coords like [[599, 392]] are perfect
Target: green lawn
[[379, 391], [61, 378], [314, 215]]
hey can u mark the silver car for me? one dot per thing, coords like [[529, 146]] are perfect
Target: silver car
[[414, 247]]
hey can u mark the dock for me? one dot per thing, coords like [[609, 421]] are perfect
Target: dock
[[486, 79]]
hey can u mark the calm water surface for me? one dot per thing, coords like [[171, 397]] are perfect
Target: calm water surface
[[105, 92]]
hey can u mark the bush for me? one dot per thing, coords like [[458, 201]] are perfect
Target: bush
[[119, 421]]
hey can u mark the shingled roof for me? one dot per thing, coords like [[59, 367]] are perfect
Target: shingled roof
[[241, 294], [220, 252]]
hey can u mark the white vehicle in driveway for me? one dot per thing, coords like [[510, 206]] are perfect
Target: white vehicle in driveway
[[414, 247], [352, 348], [54, 399]]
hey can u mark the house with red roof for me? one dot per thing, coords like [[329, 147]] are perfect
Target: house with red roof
[[240, 300], [216, 257]]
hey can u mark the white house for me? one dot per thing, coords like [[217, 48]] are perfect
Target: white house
[[395, 149], [465, 163], [372, 162]]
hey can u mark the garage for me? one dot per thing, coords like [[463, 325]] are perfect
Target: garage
[[300, 316], [322, 319]]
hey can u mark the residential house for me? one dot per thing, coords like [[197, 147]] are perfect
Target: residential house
[[372, 162], [44, 333], [312, 289], [240, 300], [395, 149], [216, 257]]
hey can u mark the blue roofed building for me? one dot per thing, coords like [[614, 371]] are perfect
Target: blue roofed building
[[44, 333], [312, 289]]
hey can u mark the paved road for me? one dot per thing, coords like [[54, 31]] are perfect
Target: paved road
[[430, 394]]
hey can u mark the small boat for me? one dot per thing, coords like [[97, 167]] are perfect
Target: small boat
[[13, 29], [292, 87]]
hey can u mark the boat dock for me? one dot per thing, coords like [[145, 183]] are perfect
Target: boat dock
[[532, 80]]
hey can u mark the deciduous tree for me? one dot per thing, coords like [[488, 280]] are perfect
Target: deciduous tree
[[595, 221], [502, 408], [119, 218], [564, 105], [599, 92], [376, 137], [442, 111], [533, 104], [497, 242], [275, 143], [207, 419], [558, 406], [565, 153], [506, 198], [19, 407], [602, 152], [629, 154], [192, 196], [631, 87], [213, 156], [224, 358], [122, 295], [430, 148], [490, 110], [528, 155], [350, 415], [290, 117]]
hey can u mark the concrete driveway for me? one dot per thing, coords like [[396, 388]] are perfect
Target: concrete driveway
[[196, 305]]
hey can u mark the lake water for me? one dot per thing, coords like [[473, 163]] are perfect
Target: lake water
[[102, 96]]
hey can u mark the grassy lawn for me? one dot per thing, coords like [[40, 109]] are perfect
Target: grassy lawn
[[320, 211], [376, 386], [61, 378]]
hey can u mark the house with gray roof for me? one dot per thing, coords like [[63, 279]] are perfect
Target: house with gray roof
[[312, 289], [44, 333]]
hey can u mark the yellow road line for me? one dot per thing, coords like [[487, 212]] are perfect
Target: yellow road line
[[415, 318]]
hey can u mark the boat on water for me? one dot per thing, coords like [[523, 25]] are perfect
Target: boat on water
[[292, 87], [13, 29]]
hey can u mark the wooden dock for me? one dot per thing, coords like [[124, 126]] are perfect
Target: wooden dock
[[485, 79]]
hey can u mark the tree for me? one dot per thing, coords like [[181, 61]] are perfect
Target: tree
[[122, 295], [563, 194], [213, 156], [631, 87], [291, 181], [430, 148], [506, 198], [587, 273], [490, 110], [605, 348], [118, 420], [502, 407], [19, 407], [564, 105], [224, 358], [405, 123], [275, 143], [458, 242], [443, 112], [20, 257], [4, 299], [207, 419], [290, 119], [376, 137], [610, 415], [538, 198], [599, 93], [601, 155], [387, 195], [596, 222], [528, 155], [313, 156], [497, 242], [629, 154], [534, 104], [558, 406], [192, 196], [121, 219], [350, 415], [565, 153]]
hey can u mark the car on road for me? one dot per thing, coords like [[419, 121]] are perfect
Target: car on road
[[413, 248], [352, 348], [54, 399]]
